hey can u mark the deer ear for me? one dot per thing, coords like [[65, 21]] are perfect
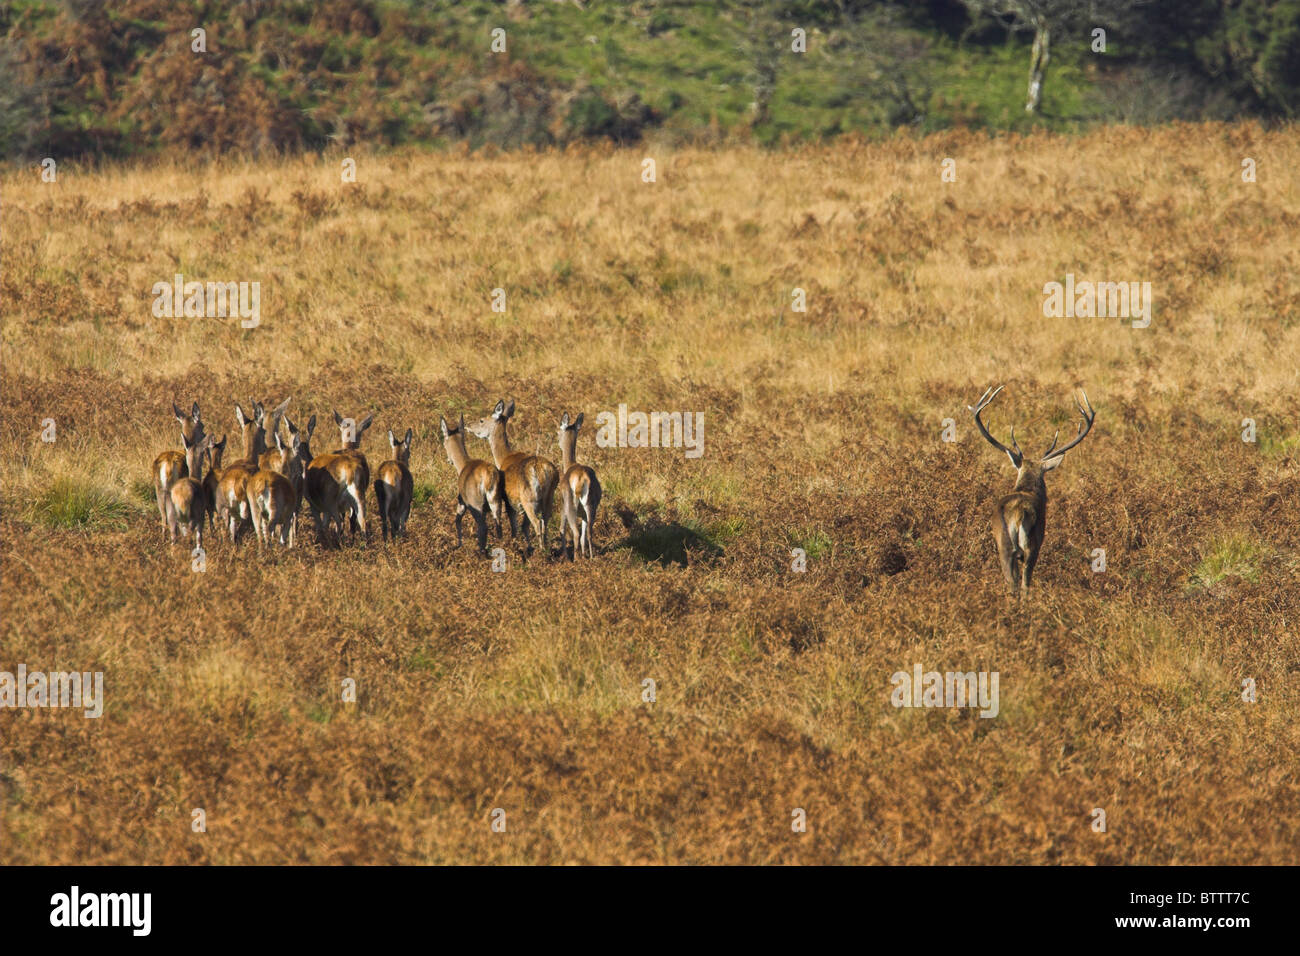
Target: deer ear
[[442, 422], [407, 440], [500, 410], [195, 412], [180, 417], [564, 422], [510, 409], [239, 416], [392, 442], [577, 422], [1050, 463], [338, 419], [365, 423], [311, 425]]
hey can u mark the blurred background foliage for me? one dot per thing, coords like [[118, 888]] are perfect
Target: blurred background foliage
[[97, 79]]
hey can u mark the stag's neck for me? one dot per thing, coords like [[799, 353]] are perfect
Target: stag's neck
[[1032, 484]]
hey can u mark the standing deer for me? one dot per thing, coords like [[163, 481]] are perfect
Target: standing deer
[[325, 495], [186, 500], [272, 497], [269, 456], [1020, 518], [212, 480], [480, 486], [530, 480], [170, 465], [346, 467], [232, 489], [579, 490], [288, 463], [394, 487]]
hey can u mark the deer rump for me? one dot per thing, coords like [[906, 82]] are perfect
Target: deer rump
[[1018, 517]]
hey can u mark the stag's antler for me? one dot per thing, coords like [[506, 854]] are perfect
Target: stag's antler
[[1089, 416], [1016, 456]]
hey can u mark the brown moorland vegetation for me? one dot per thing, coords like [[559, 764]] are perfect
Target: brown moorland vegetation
[[522, 690]]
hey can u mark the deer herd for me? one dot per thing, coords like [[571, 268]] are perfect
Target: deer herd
[[263, 490]]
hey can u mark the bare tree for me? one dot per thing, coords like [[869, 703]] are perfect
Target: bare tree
[[1046, 17]]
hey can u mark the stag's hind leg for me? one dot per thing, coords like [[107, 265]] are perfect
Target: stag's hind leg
[[1008, 557], [1027, 569]]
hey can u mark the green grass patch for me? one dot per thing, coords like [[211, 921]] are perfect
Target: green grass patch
[[814, 541], [422, 492], [1237, 555], [1275, 447], [74, 503]]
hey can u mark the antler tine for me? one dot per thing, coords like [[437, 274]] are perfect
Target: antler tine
[[1016, 456], [1048, 453], [988, 396], [1089, 416], [1084, 407]]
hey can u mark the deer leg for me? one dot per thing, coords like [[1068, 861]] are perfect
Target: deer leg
[[530, 524], [460, 516], [480, 529], [569, 523], [513, 515], [1027, 570], [359, 517], [589, 507], [1007, 555]]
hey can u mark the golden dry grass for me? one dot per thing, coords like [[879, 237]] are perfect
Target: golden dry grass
[[522, 690]]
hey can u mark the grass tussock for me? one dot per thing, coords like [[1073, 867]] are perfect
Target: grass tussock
[[78, 504], [1232, 556]]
